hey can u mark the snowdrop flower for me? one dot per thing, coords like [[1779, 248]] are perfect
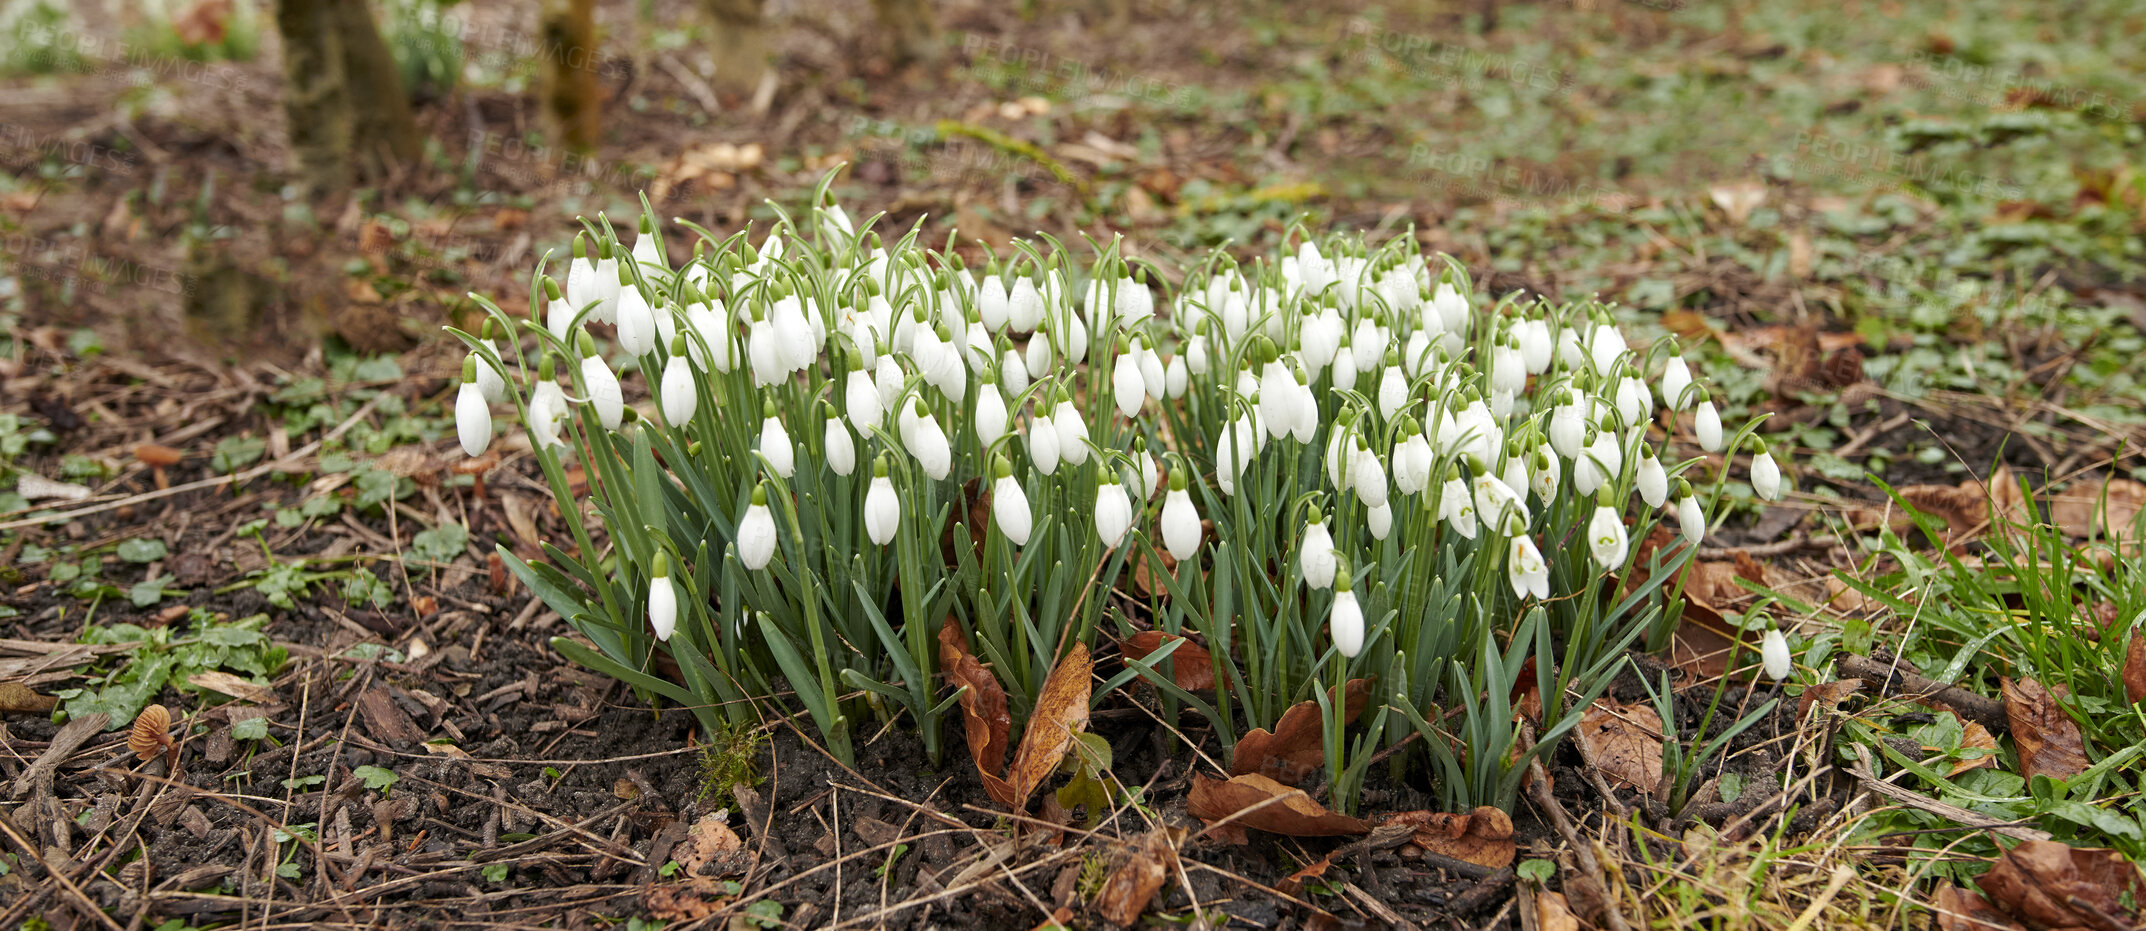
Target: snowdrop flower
[[1653, 480], [1113, 510], [636, 320], [1306, 413], [1393, 388], [993, 306], [473, 417], [1508, 367], [1477, 433], [1024, 305], [1340, 448], [606, 284], [775, 443], [581, 289], [1418, 354], [1633, 401], [662, 598], [841, 450], [1496, 505], [1150, 478], [1380, 520], [1126, 383], [1152, 372], [1196, 361], [1451, 307], [1316, 559], [928, 444], [680, 397], [1774, 650], [756, 532], [793, 336], [1346, 620], [1765, 474], [1345, 368], [1012, 373], [1368, 476], [1691, 518], [1706, 424], [1676, 378], [711, 321], [1543, 478], [490, 383], [1319, 337], [1180, 521], [1569, 350], [604, 393], [882, 508], [1515, 473], [1606, 540], [889, 379], [547, 408], [1605, 345], [1536, 345], [648, 247], [1175, 378], [1456, 506], [1525, 568], [1038, 361], [1135, 303], [1072, 431], [1009, 504], [1412, 460], [1368, 343], [764, 349], [860, 397], [558, 311], [1043, 441], [990, 412]]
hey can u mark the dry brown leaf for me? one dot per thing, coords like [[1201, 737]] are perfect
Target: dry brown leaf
[[2051, 885], [228, 684], [2049, 740], [1294, 882], [204, 23], [1975, 737], [155, 456], [2135, 668], [1295, 748], [984, 717], [1140, 873], [1690, 326], [1279, 809], [1962, 910], [1483, 837], [17, 698], [1061, 714], [1624, 741], [2087, 508], [711, 842], [1193, 668], [1826, 694], [1552, 914], [1060, 919], [151, 733]]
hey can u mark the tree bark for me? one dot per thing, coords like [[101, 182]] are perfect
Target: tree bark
[[571, 99], [350, 120], [741, 44]]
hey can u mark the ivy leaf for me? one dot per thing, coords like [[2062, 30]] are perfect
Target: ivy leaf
[[142, 550]]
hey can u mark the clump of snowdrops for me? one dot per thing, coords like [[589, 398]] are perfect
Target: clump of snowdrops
[[1334, 464]]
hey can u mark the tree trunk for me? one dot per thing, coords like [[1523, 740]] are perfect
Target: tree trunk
[[740, 47], [909, 28], [350, 120], [570, 91]]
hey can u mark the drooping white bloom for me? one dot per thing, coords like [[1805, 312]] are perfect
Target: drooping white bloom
[[1676, 378], [764, 350], [775, 444], [547, 410], [1606, 539], [1451, 306], [1706, 426], [1393, 392], [1379, 520], [990, 415], [1569, 350], [1180, 521], [1652, 480], [1043, 442], [1605, 347], [1544, 477], [1515, 475], [882, 508], [1525, 568], [1135, 302], [559, 311], [1024, 305], [473, 417], [890, 381], [841, 450], [1113, 510], [1691, 518], [1477, 433], [680, 397], [1496, 505], [1127, 385], [1607, 458], [1153, 373], [604, 393], [1346, 621], [1315, 555], [756, 532], [662, 599], [1412, 462], [1009, 507], [1536, 345], [793, 335], [1774, 651], [1150, 477], [1319, 337], [636, 320], [711, 320], [1508, 367], [1368, 476], [860, 398], [1456, 506], [928, 444], [1633, 401], [1345, 371], [1766, 475], [1175, 379], [992, 304], [607, 289], [1072, 431]]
